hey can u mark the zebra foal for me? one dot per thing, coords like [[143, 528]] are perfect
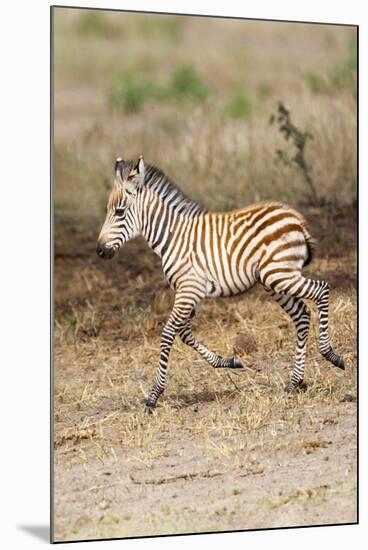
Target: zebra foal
[[209, 254]]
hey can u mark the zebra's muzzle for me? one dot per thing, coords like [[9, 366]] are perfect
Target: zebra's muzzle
[[105, 252]]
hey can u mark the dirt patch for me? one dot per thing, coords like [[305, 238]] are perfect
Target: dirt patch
[[190, 487]]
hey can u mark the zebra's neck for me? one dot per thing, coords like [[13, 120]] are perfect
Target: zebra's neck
[[162, 206]]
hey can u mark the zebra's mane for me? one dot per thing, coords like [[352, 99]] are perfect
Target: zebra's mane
[[169, 192]]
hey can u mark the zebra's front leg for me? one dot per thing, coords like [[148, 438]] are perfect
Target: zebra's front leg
[[185, 301], [217, 361], [167, 339]]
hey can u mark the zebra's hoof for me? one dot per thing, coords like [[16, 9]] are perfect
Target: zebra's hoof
[[335, 359], [292, 387], [149, 407], [236, 363], [339, 363], [289, 388]]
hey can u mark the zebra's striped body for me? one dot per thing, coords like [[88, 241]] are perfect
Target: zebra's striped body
[[210, 254]]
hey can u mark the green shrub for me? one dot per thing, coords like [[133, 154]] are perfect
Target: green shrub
[[345, 75], [239, 106], [186, 84], [340, 77], [131, 92], [316, 83]]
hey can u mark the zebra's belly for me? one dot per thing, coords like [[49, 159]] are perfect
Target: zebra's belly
[[215, 289], [221, 279], [216, 279]]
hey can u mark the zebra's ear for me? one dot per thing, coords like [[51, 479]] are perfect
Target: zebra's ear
[[118, 163], [136, 177], [140, 166]]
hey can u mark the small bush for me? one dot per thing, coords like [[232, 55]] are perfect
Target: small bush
[[342, 76], [186, 84], [316, 83], [345, 75], [299, 140], [239, 106], [131, 92]]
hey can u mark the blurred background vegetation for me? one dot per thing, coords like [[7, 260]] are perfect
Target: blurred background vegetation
[[194, 95]]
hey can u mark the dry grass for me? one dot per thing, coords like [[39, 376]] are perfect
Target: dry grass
[[224, 450]]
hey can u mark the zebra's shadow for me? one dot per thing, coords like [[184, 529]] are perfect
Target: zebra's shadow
[[184, 400]]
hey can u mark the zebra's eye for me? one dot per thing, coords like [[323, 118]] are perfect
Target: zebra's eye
[[119, 212]]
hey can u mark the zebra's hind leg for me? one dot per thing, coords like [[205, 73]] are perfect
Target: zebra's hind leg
[[322, 300], [216, 361], [300, 315], [294, 284]]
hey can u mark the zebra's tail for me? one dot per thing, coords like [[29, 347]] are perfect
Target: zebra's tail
[[311, 245]]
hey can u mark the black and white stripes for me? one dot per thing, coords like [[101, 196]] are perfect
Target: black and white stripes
[[208, 254]]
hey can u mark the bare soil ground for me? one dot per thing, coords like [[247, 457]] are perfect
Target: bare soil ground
[[223, 450]]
